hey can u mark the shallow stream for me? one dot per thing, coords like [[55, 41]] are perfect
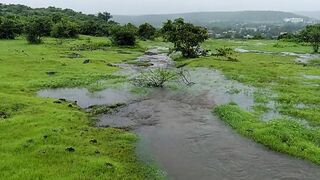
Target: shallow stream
[[179, 132]]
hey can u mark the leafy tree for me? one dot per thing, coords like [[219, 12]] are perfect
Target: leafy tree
[[89, 28], [65, 29], [311, 34], [9, 28], [186, 37], [124, 36], [95, 28], [36, 28], [146, 31], [105, 16]]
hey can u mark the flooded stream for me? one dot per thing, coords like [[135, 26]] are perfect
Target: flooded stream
[[178, 130]]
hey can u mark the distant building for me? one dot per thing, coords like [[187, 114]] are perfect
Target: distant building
[[293, 20], [248, 36]]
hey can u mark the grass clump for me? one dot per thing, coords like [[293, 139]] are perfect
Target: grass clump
[[280, 135]]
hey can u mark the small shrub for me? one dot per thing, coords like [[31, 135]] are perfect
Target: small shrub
[[124, 36], [226, 53]]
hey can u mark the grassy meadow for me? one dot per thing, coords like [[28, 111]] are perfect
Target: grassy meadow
[[36, 133]]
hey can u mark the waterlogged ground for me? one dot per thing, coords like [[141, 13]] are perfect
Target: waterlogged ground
[[179, 132], [186, 131]]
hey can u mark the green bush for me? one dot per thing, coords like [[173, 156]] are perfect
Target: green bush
[[65, 29], [146, 31], [9, 28], [124, 36], [37, 28]]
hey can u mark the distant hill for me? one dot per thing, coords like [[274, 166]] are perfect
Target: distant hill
[[204, 18], [311, 14]]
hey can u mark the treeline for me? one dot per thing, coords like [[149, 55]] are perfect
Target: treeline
[[36, 23], [311, 34]]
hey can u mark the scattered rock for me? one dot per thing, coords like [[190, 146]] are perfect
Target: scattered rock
[[51, 73], [57, 102], [70, 149], [74, 55], [105, 109], [87, 61], [93, 141], [111, 65], [151, 53], [109, 165], [3, 115]]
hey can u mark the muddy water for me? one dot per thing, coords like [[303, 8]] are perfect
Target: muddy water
[[179, 132], [84, 98], [191, 143], [301, 58]]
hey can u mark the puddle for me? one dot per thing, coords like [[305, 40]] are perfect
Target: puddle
[[311, 76], [85, 99], [301, 58]]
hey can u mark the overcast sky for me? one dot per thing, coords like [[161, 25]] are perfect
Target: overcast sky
[[134, 7]]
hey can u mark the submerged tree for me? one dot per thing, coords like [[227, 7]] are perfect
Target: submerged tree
[[160, 76], [186, 37], [312, 35]]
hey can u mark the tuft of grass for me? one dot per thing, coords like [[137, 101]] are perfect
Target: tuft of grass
[[280, 135]]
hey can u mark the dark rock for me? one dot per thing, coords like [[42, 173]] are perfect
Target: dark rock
[[109, 165], [70, 149], [70, 106], [74, 55], [87, 61], [63, 100], [150, 53], [51, 73], [57, 102], [3, 115], [93, 141], [111, 65]]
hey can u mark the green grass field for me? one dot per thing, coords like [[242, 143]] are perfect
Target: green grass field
[[35, 132]]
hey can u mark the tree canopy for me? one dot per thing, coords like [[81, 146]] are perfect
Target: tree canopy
[[9, 28], [311, 34], [186, 37], [147, 31]]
